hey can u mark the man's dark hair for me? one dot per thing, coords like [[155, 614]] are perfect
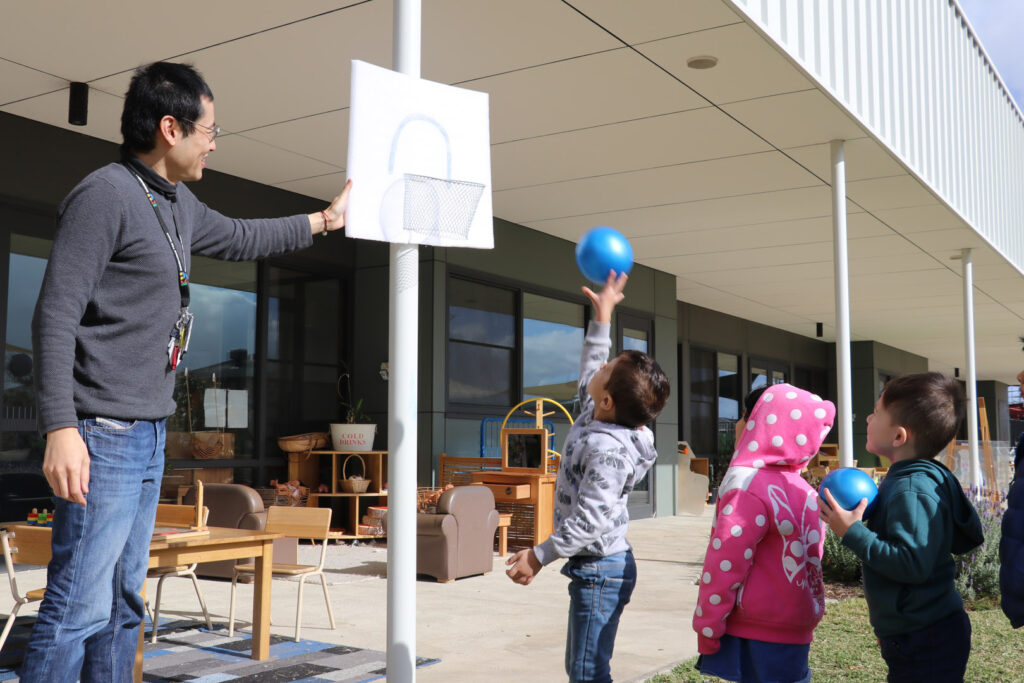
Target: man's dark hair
[[930, 405], [638, 387], [157, 90]]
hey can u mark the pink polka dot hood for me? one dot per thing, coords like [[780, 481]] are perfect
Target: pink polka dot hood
[[762, 570]]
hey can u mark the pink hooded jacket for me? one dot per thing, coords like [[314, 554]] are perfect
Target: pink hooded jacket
[[762, 571]]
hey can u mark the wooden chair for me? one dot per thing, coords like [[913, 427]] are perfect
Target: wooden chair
[[23, 545], [183, 516], [294, 522]]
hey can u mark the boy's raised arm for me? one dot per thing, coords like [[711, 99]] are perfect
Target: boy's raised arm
[[597, 342]]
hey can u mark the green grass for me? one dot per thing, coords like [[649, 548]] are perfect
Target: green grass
[[845, 649]]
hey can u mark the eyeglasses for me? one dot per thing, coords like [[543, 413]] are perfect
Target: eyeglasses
[[213, 132]]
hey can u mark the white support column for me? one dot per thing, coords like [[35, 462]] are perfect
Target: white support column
[[844, 411], [972, 375], [402, 406]]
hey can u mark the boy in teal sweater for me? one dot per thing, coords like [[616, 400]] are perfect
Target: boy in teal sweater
[[920, 519]]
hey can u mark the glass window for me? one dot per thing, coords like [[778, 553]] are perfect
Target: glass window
[[18, 429], [481, 343], [765, 373], [702, 402], [729, 398], [634, 340], [729, 402], [304, 348], [552, 342], [481, 313], [216, 394], [715, 399]]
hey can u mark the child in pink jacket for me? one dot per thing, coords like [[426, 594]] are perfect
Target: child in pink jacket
[[761, 590]]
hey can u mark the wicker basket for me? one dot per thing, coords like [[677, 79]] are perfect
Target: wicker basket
[[354, 484], [303, 443], [211, 445], [427, 497]]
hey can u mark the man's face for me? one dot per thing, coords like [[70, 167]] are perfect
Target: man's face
[[187, 159]]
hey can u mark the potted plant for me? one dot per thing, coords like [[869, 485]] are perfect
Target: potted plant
[[356, 432]]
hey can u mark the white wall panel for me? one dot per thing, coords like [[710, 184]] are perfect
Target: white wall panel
[[914, 74]]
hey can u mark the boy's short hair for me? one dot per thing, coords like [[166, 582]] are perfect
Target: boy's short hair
[[157, 90], [639, 388], [930, 405]]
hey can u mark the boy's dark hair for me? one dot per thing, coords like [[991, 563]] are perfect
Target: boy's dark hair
[[157, 90], [751, 400], [930, 405], [638, 387]]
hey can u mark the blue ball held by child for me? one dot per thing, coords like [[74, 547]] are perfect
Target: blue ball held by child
[[848, 486], [603, 249]]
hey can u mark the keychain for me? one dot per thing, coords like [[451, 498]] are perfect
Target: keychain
[[177, 347]]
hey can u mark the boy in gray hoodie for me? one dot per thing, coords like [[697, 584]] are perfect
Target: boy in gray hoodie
[[608, 450]]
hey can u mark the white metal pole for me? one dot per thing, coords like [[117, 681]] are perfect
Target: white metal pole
[[402, 407], [972, 378], [844, 414]]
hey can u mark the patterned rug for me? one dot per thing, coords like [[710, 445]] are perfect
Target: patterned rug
[[186, 651]]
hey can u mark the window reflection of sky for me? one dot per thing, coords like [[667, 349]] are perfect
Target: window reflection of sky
[[225, 320], [24, 281], [487, 327], [634, 344], [551, 356]]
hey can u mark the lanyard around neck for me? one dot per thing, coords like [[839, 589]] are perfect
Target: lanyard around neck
[[182, 273]]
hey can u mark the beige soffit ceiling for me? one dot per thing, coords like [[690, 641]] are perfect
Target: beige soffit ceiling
[[719, 177]]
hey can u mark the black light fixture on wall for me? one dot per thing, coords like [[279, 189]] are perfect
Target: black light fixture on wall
[[78, 104]]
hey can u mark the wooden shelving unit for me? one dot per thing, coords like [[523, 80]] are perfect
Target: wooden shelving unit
[[376, 494]]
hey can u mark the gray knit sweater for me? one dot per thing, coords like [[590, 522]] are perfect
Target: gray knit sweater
[[109, 299], [601, 464]]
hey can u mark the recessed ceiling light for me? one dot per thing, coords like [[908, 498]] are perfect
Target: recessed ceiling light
[[702, 62]]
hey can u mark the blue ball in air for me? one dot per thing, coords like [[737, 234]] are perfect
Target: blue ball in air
[[603, 249]]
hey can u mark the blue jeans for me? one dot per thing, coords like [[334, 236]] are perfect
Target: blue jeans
[[89, 619], [937, 653], [599, 589]]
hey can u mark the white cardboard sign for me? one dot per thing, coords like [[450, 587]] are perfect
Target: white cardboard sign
[[419, 156]]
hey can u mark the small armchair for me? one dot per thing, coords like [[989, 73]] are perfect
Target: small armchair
[[458, 540], [236, 506]]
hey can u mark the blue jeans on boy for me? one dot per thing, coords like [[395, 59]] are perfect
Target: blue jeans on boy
[[88, 621], [937, 653], [599, 589]]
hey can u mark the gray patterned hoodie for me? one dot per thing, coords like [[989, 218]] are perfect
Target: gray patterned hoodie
[[601, 463]]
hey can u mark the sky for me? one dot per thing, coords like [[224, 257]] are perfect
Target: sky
[[998, 23]]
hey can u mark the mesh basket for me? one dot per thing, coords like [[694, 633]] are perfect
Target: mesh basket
[[440, 208]]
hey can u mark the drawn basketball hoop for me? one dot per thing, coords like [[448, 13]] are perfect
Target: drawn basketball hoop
[[431, 207]]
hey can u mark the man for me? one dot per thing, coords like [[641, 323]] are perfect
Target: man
[[111, 323]]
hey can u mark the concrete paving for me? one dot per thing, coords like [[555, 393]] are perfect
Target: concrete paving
[[482, 628]]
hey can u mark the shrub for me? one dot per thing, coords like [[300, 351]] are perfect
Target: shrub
[[839, 563], [977, 572]]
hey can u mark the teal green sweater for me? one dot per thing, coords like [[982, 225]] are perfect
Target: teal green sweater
[[920, 519]]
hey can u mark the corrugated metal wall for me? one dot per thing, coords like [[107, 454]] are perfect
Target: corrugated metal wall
[[915, 75]]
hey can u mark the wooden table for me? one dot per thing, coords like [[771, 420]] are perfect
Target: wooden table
[[220, 544], [223, 544]]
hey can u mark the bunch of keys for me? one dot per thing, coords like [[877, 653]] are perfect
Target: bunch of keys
[[177, 347]]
